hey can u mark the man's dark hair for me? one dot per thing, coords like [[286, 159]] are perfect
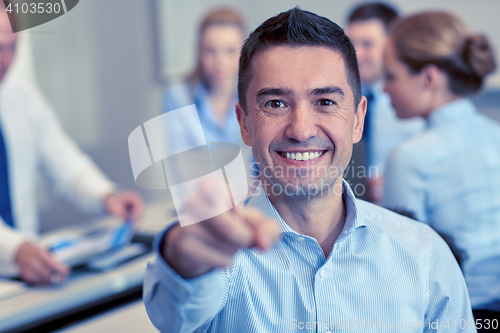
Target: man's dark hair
[[375, 10], [297, 27]]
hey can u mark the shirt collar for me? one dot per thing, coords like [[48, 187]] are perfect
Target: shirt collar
[[453, 111], [200, 93], [353, 219]]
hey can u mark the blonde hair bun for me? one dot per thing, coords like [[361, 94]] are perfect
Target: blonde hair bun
[[442, 39], [479, 54]]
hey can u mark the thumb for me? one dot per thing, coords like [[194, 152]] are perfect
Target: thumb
[[53, 263]]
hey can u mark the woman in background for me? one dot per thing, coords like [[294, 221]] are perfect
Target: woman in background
[[449, 176], [212, 88], [212, 85]]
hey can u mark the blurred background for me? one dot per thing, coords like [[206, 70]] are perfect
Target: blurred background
[[104, 64]]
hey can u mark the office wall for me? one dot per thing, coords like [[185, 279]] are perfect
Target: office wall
[[182, 16]]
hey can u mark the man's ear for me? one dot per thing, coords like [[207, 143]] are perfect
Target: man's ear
[[243, 121], [359, 120]]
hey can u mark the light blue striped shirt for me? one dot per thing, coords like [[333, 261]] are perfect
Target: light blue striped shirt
[[449, 178], [385, 273]]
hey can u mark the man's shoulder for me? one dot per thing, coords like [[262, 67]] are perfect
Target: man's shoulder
[[398, 233], [14, 87], [398, 224], [20, 97]]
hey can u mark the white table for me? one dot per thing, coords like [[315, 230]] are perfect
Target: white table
[[131, 318], [83, 289], [156, 217]]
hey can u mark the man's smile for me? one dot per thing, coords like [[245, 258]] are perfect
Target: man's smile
[[302, 155]]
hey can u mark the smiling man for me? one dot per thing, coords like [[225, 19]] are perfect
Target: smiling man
[[304, 253]]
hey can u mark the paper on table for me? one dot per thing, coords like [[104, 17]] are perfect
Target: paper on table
[[9, 288], [75, 249]]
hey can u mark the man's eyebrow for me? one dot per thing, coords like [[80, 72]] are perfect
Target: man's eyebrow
[[327, 90], [274, 92]]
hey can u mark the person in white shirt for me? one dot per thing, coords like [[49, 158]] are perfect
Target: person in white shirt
[[32, 141], [367, 29]]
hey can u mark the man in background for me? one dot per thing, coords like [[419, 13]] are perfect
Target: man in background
[[32, 141], [383, 131]]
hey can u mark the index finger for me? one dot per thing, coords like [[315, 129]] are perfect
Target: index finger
[[230, 226]]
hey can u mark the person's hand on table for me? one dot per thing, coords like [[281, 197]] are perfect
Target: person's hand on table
[[126, 205], [198, 248], [38, 266]]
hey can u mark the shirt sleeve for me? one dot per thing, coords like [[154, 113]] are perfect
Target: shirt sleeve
[[448, 306], [175, 304], [404, 186], [72, 174]]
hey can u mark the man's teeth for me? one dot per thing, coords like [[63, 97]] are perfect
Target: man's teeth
[[303, 156]]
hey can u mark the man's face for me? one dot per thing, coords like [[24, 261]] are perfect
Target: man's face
[[7, 44], [369, 38], [300, 105]]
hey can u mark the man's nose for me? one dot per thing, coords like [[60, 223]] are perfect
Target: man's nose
[[302, 124]]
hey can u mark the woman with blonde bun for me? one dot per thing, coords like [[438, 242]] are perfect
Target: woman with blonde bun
[[449, 176]]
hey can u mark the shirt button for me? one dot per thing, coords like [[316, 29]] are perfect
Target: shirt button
[[301, 239], [322, 274]]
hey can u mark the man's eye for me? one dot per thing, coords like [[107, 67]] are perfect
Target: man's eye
[[326, 102], [275, 104]]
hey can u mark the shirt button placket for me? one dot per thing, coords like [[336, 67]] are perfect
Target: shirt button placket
[[323, 298]]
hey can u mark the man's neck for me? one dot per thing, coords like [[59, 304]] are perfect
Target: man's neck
[[321, 217]]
